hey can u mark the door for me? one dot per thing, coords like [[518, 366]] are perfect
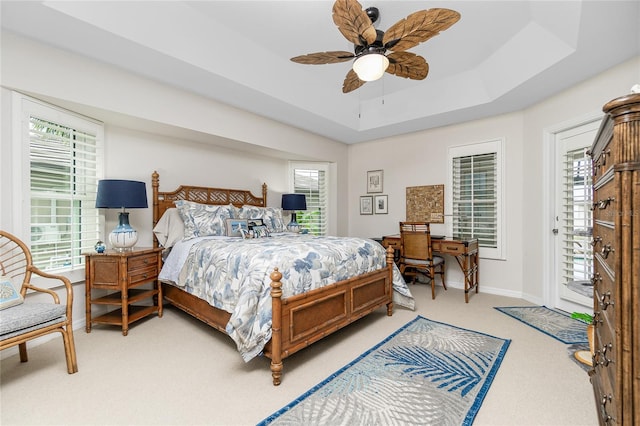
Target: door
[[573, 253]]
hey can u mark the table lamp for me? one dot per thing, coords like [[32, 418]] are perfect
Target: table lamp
[[293, 202], [122, 194]]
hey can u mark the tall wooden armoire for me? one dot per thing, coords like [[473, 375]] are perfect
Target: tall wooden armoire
[[616, 238]]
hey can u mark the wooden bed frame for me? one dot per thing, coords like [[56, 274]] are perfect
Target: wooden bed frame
[[297, 321]]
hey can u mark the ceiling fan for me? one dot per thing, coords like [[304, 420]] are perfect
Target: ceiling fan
[[371, 45]]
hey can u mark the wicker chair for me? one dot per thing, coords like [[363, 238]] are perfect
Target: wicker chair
[[416, 253], [25, 321]]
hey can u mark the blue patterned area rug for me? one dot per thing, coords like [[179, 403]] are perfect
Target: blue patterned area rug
[[426, 373], [556, 324]]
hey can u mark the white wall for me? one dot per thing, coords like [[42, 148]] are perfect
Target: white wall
[[419, 159]]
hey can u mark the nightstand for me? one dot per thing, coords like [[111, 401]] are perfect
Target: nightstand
[[121, 273]]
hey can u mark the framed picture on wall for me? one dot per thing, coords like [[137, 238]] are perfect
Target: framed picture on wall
[[366, 204], [374, 181], [380, 204]]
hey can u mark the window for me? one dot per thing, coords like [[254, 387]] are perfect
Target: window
[[475, 201], [311, 180], [60, 164]]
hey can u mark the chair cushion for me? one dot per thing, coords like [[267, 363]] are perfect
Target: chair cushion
[[437, 260], [9, 294], [31, 316]]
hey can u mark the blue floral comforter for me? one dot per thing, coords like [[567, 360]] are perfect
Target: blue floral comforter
[[233, 274]]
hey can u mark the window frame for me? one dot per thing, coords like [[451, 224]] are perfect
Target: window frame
[[325, 167], [23, 107], [481, 148]]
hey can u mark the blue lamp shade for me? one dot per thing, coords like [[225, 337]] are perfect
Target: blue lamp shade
[[122, 194], [293, 202]]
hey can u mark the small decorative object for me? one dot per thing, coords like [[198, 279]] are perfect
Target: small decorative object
[[122, 194], [380, 203], [293, 202], [100, 247], [366, 204], [374, 181]]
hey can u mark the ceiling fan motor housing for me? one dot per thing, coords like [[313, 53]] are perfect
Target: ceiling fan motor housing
[[375, 47]]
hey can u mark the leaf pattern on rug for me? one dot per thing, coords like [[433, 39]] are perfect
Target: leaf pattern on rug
[[456, 371], [405, 379]]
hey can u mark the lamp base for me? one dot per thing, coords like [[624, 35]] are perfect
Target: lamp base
[[293, 226], [123, 237]]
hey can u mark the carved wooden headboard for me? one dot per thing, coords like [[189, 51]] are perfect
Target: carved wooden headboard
[[203, 195]]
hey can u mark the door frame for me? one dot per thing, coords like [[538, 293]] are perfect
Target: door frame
[[549, 167]]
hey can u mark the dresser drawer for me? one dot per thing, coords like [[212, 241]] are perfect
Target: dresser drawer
[[605, 349], [605, 303], [142, 262], [606, 406], [603, 234], [605, 205], [603, 282]]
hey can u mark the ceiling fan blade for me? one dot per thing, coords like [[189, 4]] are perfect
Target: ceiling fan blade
[[407, 65], [351, 82], [320, 58], [418, 28], [353, 22]]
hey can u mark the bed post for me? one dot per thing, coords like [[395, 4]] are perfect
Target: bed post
[[264, 194], [155, 183], [276, 326], [390, 265]]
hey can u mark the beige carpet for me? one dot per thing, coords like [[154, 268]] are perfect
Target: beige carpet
[[176, 371]]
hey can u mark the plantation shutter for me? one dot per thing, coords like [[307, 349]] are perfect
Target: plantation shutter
[[64, 168], [577, 223], [312, 182], [475, 203]]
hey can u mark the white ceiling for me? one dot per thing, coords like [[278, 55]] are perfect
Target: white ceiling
[[501, 56]]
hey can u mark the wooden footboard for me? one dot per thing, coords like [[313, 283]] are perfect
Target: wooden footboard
[[301, 320]]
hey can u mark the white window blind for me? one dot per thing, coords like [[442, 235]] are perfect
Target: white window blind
[[577, 221], [476, 201], [64, 157], [312, 182]]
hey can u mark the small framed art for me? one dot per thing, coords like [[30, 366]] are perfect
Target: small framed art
[[235, 225], [381, 204], [374, 181], [366, 204]]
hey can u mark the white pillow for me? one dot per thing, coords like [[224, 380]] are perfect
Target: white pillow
[[170, 228], [9, 295]]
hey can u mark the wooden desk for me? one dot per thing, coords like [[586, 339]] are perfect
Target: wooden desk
[[464, 250]]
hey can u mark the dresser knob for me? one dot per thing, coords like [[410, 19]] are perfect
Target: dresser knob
[[596, 240], [606, 249]]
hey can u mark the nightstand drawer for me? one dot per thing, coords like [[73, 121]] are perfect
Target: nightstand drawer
[[142, 262], [143, 275]]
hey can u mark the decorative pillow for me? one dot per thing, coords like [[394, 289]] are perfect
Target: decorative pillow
[[9, 296], [170, 228], [271, 216], [201, 220]]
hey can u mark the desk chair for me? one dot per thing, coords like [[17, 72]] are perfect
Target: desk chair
[[20, 320], [416, 254]]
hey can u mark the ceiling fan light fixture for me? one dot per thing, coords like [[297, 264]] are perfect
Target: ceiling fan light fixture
[[370, 66]]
